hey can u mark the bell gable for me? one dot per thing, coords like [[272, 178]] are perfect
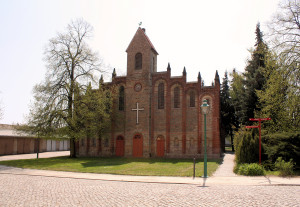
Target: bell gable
[[141, 54]]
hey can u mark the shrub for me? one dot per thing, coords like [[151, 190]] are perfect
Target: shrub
[[268, 165], [236, 168], [252, 169], [284, 144], [284, 168], [246, 144]]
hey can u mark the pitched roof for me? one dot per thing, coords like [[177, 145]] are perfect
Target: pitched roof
[[147, 38], [10, 131]]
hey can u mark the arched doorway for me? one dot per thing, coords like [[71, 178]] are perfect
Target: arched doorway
[[120, 146], [137, 147], [160, 146]]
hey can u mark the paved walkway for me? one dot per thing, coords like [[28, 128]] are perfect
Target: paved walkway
[[27, 190], [226, 168], [33, 155], [223, 176], [28, 187]]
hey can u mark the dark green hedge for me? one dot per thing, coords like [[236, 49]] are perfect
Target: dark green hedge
[[246, 144], [284, 144]]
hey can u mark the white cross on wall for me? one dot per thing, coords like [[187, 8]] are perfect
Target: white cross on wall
[[137, 112]]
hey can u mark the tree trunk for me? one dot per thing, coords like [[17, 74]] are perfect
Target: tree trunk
[[70, 113], [72, 148]]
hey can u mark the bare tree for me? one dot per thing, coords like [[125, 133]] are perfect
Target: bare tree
[[1, 109], [70, 65], [1, 112], [285, 33]]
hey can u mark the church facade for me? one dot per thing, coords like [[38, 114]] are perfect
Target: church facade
[[156, 115]]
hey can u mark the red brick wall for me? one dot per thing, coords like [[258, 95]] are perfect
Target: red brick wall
[[181, 128]]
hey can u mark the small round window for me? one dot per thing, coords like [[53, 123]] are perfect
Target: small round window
[[138, 87]]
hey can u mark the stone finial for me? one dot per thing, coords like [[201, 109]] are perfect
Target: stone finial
[[101, 81], [184, 71], [217, 76], [199, 76], [114, 74], [169, 67], [217, 79]]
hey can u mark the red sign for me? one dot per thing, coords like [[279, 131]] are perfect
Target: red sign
[[248, 127], [259, 119], [259, 126], [265, 119]]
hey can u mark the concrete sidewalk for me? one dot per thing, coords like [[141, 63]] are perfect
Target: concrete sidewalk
[[223, 175], [33, 155]]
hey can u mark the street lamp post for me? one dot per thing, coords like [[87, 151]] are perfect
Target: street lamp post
[[205, 109]]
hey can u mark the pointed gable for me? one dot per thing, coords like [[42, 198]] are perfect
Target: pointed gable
[[141, 32]]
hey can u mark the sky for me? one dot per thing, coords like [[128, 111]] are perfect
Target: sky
[[200, 35]]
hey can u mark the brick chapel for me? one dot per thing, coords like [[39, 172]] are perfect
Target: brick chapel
[[158, 115]]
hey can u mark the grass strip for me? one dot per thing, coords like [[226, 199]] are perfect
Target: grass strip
[[120, 166]]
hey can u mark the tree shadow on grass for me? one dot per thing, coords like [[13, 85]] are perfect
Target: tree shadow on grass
[[35, 163], [114, 161], [86, 164], [117, 161]]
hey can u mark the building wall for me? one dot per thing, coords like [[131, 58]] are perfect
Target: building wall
[[159, 118], [191, 124], [185, 125], [25, 145], [181, 129]]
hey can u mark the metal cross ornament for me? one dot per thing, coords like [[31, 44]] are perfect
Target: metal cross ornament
[[137, 109]]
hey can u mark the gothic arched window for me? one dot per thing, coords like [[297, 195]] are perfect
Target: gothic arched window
[[192, 99], [161, 97], [176, 97], [138, 61], [121, 98]]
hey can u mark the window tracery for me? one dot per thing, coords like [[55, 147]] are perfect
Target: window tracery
[[176, 97], [138, 61], [161, 98]]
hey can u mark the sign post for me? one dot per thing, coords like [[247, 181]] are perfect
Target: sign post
[[259, 127]]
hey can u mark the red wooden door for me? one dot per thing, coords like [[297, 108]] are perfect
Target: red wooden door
[[120, 145], [137, 150], [160, 147]]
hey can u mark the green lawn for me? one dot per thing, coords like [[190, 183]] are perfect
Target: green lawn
[[121, 166], [228, 149], [277, 173]]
